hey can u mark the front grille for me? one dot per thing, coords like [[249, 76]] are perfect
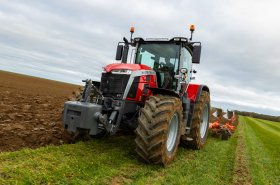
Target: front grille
[[113, 84], [133, 89]]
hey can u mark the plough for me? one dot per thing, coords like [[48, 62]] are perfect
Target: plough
[[221, 126]]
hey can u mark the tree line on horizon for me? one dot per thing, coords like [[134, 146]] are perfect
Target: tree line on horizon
[[259, 116]]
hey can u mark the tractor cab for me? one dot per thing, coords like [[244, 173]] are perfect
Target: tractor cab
[[163, 58], [170, 59], [166, 58]]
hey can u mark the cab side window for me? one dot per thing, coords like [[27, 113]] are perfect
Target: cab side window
[[186, 59]]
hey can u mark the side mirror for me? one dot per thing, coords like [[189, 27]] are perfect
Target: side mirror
[[125, 53], [196, 54], [119, 52]]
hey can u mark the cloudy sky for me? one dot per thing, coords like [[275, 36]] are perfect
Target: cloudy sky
[[71, 40]]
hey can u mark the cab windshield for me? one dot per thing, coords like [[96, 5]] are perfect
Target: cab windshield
[[157, 55], [162, 58]]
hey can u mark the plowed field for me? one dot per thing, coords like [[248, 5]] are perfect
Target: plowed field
[[30, 111]]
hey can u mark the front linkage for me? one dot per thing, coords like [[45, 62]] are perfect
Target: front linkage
[[93, 113]]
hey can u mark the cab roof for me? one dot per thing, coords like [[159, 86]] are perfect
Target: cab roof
[[175, 39], [178, 40]]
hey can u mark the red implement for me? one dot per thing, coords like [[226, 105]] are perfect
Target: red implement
[[220, 125]]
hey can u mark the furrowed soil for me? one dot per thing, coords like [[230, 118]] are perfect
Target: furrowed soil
[[241, 173], [30, 111]]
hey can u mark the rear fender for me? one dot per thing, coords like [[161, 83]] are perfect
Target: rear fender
[[194, 91]]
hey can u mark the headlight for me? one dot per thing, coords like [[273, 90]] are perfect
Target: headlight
[[121, 71]]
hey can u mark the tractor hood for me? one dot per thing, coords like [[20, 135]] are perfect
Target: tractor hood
[[132, 67]]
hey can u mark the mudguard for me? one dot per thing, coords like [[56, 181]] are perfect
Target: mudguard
[[163, 91], [194, 91]]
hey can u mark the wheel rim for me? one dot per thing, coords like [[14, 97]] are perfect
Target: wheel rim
[[172, 132], [204, 121]]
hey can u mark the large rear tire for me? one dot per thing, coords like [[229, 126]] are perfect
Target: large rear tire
[[200, 123], [159, 129]]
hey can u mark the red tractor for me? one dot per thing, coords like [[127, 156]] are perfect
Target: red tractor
[[151, 95]]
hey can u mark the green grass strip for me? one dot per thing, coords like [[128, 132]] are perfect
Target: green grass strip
[[263, 149], [273, 125]]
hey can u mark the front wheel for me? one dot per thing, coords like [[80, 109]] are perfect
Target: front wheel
[[159, 128], [200, 123]]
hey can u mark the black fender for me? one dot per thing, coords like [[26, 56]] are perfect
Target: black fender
[[164, 91]]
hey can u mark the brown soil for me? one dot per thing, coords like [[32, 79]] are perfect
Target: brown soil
[[241, 173], [30, 111]]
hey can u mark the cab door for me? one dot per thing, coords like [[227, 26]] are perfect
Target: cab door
[[186, 62]]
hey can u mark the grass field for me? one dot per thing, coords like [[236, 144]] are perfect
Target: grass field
[[262, 139], [113, 161]]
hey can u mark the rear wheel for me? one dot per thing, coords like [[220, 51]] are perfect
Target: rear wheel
[[200, 123], [159, 128]]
